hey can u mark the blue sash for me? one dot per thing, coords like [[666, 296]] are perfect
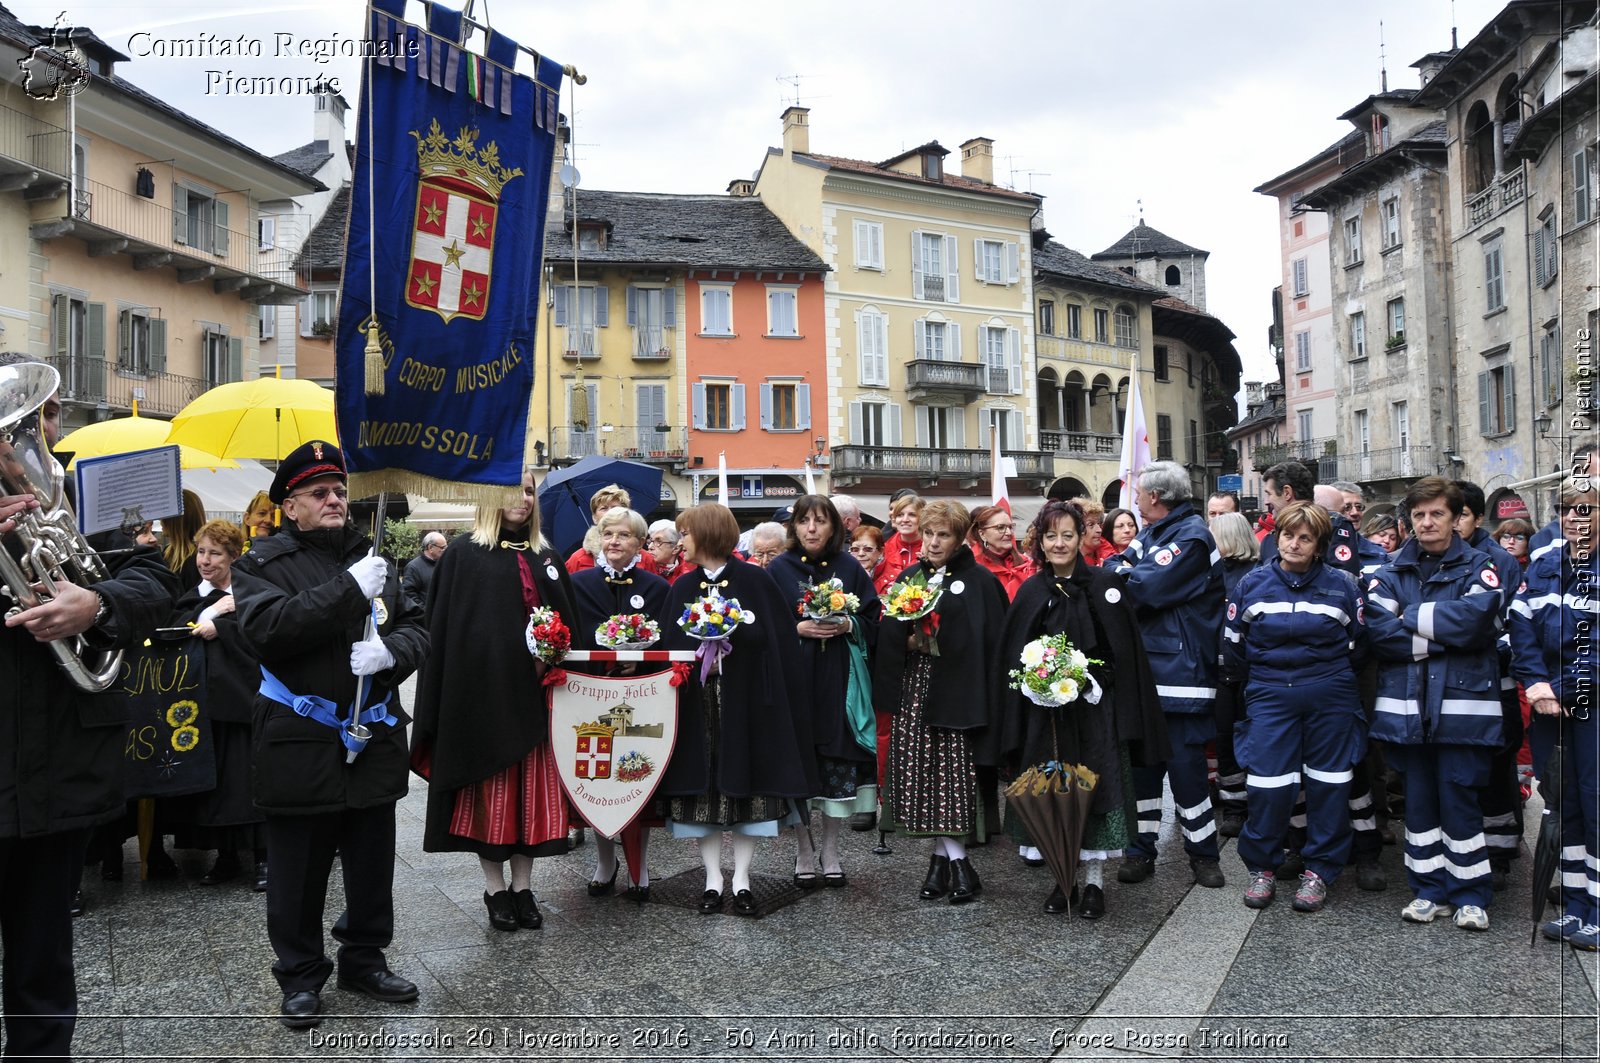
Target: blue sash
[[324, 711]]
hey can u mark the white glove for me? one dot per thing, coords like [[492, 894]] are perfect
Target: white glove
[[1094, 694], [370, 656], [370, 574]]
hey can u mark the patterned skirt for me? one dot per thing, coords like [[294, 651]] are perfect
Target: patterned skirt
[[933, 780], [713, 808], [520, 811]]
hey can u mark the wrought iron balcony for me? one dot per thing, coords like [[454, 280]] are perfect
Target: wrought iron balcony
[[650, 345], [930, 465], [1090, 445], [580, 344], [928, 378], [34, 155], [1388, 463], [652, 444], [101, 382]]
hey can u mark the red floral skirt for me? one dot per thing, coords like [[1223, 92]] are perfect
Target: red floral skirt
[[518, 810]]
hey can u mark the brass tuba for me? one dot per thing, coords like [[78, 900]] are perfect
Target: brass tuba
[[52, 550]]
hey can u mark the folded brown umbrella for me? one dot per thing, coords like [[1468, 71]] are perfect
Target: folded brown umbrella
[[1052, 801]]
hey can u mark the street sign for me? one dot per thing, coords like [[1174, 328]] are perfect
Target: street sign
[[1231, 482]]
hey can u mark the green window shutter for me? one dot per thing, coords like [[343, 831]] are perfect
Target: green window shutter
[[1485, 416], [158, 345], [124, 338], [1509, 423], [219, 242], [235, 359], [180, 214], [96, 345], [61, 315]]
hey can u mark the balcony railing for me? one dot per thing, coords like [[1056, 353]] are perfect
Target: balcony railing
[[1388, 463], [1512, 188], [933, 464], [100, 382], [1480, 207], [580, 344], [1500, 195], [647, 443], [1320, 455], [1082, 444], [649, 345], [928, 376], [34, 144]]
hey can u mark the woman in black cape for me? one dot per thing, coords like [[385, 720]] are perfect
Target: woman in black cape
[[618, 585], [744, 753], [481, 732], [846, 770], [1087, 604], [935, 677]]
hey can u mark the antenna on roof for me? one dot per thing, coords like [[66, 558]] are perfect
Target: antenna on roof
[[1140, 204], [1453, 45], [793, 79], [1383, 62]]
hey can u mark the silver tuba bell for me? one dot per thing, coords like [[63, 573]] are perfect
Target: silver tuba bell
[[45, 549]]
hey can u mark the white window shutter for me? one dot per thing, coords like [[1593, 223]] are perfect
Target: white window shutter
[[916, 263], [892, 424], [952, 251], [1014, 430], [952, 341], [1013, 262], [956, 427], [602, 306], [219, 231], [669, 306], [984, 417], [802, 406], [880, 348], [863, 348], [920, 415], [977, 261], [633, 306], [766, 407], [855, 420], [699, 405], [1014, 358], [920, 350], [737, 392], [561, 293], [875, 234], [180, 213]]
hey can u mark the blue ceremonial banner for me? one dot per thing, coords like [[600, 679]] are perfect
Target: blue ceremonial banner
[[443, 253]]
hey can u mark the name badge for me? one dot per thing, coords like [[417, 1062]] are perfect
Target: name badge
[[550, 570], [637, 601], [1113, 595], [957, 587]]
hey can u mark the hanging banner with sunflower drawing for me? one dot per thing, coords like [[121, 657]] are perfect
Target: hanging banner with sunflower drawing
[[168, 748]]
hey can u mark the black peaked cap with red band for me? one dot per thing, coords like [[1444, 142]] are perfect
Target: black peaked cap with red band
[[309, 460]]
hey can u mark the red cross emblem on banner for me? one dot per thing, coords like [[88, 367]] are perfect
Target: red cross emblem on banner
[[594, 757], [452, 248]]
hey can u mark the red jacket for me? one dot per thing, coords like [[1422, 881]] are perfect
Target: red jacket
[[897, 557], [1011, 572], [582, 559], [1102, 550]]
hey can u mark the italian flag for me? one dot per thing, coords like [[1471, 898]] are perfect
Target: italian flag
[[475, 76]]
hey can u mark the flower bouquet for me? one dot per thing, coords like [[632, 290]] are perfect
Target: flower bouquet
[[713, 620], [913, 597], [1054, 673], [827, 601], [547, 635], [628, 631]]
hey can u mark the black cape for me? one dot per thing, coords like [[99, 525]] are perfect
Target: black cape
[[971, 615], [233, 674], [764, 747], [1092, 610], [600, 598]]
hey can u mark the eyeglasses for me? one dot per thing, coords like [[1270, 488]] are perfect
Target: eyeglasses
[[321, 493], [1513, 535], [1000, 527], [1577, 509], [765, 555]]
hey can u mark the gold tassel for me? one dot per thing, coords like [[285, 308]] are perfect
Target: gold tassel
[[374, 363]]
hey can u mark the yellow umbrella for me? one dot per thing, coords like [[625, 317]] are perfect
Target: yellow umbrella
[[120, 435], [263, 419]]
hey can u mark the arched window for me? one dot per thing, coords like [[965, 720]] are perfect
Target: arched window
[[1479, 160], [1174, 277]]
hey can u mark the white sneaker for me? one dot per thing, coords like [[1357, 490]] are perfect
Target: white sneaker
[[1471, 917], [1421, 911]]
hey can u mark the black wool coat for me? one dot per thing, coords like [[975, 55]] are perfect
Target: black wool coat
[[233, 675], [971, 616], [764, 746], [599, 599], [302, 612]]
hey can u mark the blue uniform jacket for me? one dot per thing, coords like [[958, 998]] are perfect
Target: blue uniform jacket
[[1438, 673], [1547, 646], [1174, 579], [1344, 546], [1295, 628]]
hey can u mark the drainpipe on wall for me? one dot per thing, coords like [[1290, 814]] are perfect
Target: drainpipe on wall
[[1534, 391]]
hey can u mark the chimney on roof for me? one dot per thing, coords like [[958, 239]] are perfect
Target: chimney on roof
[[977, 160], [328, 124], [796, 130], [741, 186]]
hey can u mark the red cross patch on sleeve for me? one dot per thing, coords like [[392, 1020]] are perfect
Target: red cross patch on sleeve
[[1489, 578]]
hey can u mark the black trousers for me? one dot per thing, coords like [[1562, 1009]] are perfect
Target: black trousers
[[37, 879], [300, 850]]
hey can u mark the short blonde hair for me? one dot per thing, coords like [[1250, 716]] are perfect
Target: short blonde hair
[[620, 515], [946, 513], [609, 497], [905, 502], [1092, 511], [1235, 540]]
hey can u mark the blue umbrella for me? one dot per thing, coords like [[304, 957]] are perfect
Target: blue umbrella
[[564, 495]]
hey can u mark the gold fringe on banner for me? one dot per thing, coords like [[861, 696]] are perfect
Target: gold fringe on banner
[[374, 361], [403, 481]]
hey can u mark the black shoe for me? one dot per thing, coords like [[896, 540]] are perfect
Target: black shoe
[[807, 880], [111, 867], [964, 884], [1293, 865], [1093, 905], [835, 880], [160, 865], [527, 911], [261, 876], [301, 1010], [1056, 903], [1229, 824], [77, 908], [1207, 873], [1370, 876], [639, 894], [744, 903], [226, 869], [863, 821], [710, 901], [1136, 868], [381, 985], [603, 889], [938, 881], [502, 913], [1497, 875]]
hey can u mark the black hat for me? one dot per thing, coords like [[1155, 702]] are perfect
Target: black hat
[[784, 515], [315, 458]]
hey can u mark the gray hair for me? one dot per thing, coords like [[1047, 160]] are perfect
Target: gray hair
[[1234, 538], [769, 529], [665, 528], [1347, 487], [1168, 481], [846, 506], [1328, 497], [619, 515], [434, 538]]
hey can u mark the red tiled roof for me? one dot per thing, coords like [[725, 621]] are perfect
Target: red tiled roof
[[949, 180]]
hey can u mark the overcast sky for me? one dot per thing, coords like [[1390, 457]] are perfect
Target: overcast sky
[[1097, 106]]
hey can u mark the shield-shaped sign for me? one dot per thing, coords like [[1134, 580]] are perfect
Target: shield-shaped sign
[[452, 248], [612, 739]]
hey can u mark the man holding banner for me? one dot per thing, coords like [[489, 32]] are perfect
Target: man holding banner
[[328, 772]]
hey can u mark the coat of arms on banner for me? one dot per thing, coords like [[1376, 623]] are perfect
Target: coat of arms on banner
[[612, 739], [452, 239]]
